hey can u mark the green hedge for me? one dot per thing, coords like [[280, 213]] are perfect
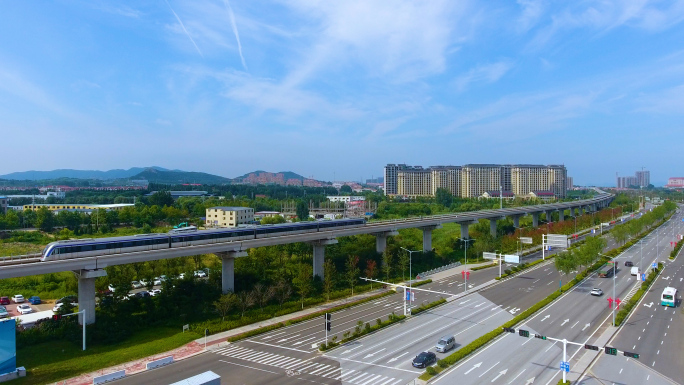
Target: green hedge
[[481, 341], [307, 317], [627, 306], [392, 319], [421, 283], [484, 267]]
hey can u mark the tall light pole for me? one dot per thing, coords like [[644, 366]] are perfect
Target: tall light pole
[[410, 273], [466, 240]]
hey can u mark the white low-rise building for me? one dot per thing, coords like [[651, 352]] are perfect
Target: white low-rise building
[[345, 198]]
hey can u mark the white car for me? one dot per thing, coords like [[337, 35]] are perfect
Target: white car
[[24, 309], [143, 283], [200, 274], [18, 298], [597, 292], [157, 281], [154, 292], [111, 288], [181, 276], [136, 284]]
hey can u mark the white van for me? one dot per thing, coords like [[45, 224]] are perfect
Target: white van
[[635, 270]]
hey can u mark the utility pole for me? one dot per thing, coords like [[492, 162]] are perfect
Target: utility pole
[[466, 240], [410, 277]]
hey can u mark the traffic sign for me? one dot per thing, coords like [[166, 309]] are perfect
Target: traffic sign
[[565, 365], [523, 333], [654, 265], [526, 240], [611, 351], [408, 295]]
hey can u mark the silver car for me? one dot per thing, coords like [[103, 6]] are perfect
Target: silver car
[[445, 344]]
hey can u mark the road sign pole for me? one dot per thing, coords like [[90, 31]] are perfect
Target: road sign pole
[[543, 248], [84, 329], [565, 357]]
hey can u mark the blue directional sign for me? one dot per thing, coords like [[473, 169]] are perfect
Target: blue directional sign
[[565, 365], [654, 265], [408, 295], [643, 277]]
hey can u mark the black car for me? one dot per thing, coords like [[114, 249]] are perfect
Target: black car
[[424, 359], [142, 294], [629, 263]]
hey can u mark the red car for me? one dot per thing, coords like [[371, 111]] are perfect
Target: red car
[[4, 301]]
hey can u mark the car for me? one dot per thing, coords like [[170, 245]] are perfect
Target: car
[[629, 263], [142, 294], [35, 300], [111, 288], [597, 292], [4, 301], [200, 274], [143, 283], [3, 312], [445, 344], [136, 284], [157, 281], [424, 359], [18, 298], [163, 278], [181, 276], [635, 270], [69, 298], [154, 292], [24, 309]]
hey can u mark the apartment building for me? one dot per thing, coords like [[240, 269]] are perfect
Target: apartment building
[[643, 178], [3, 205], [222, 216], [473, 180]]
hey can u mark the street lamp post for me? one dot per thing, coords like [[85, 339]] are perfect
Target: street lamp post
[[466, 240], [410, 274]]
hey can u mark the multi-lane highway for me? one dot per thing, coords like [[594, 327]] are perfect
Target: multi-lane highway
[[290, 354], [653, 331], [576, 316]]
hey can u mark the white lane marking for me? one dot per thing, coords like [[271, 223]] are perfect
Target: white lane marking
[[281, 347], [543, 319], [574, 325], [658, 352], [397, 357], [250, 367], [378, 365], [485, 372], [474, 367], [566, 321], [586, 326], [373, 378], [302, 341], [372, 354], [501, 373], [547, 349], [288, 338], [620, 371], [273, 335], [523, 371], [349, 350], [321, 369]]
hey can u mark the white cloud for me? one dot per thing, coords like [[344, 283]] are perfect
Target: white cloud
[[184, 29], [532, 10], [235, 31], [488, 73]]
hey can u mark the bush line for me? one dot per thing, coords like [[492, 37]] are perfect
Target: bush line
[[673, 253], [486, 338], [307, 317], [360, 331]]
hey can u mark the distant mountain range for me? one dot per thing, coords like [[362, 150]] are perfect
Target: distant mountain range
[[161, 175], [80, 174]]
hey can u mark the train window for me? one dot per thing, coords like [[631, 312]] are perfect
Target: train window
[[127, 244], [86, 248], [139, 243], [101, 246]]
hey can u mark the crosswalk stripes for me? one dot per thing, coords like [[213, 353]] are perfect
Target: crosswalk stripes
[[307, 367]]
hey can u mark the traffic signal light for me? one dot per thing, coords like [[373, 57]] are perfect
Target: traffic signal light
[[540, 336], [523, 333], [630, 354], [509, 330], [328, 323], [611, 351], [56, 317], [591, 347]]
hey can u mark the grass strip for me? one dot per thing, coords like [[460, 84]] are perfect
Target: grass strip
[[675, 252], [307, 317], [486, 338]]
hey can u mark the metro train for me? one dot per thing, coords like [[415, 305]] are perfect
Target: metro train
[[79, 248]]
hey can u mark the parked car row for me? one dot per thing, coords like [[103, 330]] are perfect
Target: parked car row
[[18, 298]]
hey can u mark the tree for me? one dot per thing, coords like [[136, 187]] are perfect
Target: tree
[[371, 270], [346, 189], [282, 291], [352, 271], [262, 295], [387, 260], [274, 220], [302, 281], [302, 211], [45, 219], [161, 199], [403, 264], [225, 304], [245, 300], [444, 197], [330, 276]]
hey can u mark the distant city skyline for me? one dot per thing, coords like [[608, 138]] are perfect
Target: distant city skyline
[[336, 90]]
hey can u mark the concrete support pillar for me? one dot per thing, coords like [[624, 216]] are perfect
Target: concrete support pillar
[[464, 230], [492, 227], [516, 221], [86, 294], [228, 269], [319, 255], [427, 236], [579, 210], [535, 219], [549, 215], [561, 215], [381, 240]]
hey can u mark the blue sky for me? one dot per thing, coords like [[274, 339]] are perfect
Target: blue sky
[[340, 88]]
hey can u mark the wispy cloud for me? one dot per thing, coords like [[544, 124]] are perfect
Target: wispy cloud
[[235, 31], [489, 73], [185, 30]]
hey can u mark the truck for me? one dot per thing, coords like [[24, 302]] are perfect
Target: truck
[[606, 270]]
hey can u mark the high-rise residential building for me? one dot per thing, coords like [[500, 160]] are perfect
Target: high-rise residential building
[[569, 183], [643, 178], [473, 180]]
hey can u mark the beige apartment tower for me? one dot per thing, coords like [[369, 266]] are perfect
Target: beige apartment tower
[[222, 216]]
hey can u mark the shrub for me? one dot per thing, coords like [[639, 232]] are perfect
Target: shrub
[[378, 322], [367, 327], [442, 364], [431, 371]]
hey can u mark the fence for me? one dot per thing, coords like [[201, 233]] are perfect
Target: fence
[[439, 269]]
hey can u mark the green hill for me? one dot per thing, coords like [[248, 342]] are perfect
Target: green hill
[[178, 177]]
